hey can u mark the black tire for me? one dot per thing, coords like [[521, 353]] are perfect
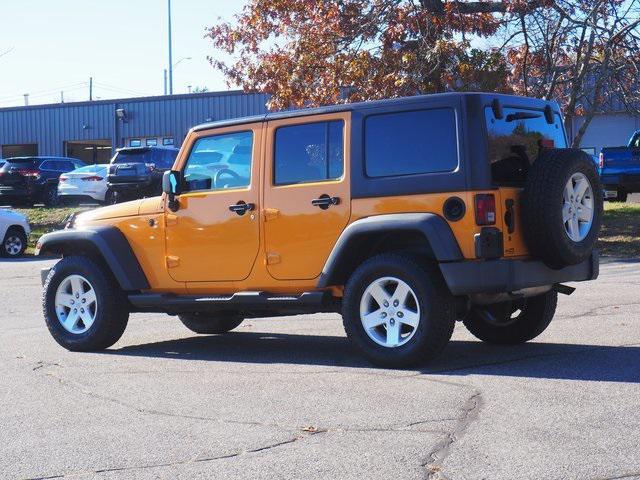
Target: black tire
[[112, 314], [542, 204], [512, 323], [206, 324], [110, 198], [50, 196], [621, 197], [436, 320], [14, 243]]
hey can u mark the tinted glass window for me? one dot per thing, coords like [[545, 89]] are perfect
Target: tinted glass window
[[165, 158], [133, 156], [65, 166], [407, 143], [310, 152], [47, 165], [220, 162], [514, 141]]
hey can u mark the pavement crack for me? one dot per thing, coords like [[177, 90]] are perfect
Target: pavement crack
[[469, 411], [183, 462]]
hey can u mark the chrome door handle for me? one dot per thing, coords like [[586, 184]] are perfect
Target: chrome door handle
[[324, 201], [242, 207]]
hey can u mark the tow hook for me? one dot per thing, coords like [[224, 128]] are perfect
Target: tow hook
[[563, 289]]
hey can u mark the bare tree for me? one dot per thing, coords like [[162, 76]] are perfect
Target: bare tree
[[586, 54]]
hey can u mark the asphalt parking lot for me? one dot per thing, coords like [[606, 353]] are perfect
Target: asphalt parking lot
[[287, 398]]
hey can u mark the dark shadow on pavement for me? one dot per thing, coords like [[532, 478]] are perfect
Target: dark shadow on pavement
[[532, 360]]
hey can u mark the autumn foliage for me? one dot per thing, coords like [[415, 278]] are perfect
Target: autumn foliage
[[315, 52]]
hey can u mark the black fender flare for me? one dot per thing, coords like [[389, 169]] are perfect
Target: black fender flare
[[107, 242], [435, 229]]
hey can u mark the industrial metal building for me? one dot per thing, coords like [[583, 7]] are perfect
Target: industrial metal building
[[91, 131]]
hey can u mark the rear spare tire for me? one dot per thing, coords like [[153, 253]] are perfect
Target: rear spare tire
[[562, 207]]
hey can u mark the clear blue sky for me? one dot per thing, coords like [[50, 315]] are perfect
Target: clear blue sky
[[58, 44]]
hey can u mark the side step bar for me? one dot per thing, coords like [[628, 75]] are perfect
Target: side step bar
[[253, 303]]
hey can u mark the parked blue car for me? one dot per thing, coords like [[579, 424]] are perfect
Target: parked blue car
[[620, 169]]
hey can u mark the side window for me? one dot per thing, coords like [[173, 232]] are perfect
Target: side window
[[409, 143], [219, 162], [46, 165], [66, 166], [311, 152]]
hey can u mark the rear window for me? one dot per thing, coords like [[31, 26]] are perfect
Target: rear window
[[160, 158], [20, 161], [410, 143], [92, 169], [514, 142]]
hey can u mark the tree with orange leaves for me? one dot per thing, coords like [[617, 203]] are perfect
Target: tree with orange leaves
[[314, 52]]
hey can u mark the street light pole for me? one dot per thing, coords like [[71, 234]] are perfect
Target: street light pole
[[170, 51]]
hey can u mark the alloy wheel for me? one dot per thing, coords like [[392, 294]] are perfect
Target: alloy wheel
[[76, 304], [13, 245], [577, 208], [389, 312]]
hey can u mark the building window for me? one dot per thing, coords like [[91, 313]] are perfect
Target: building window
[[151, 142], [135, 142], [310, 152], [167, 141], [411, 143], [23, 150]]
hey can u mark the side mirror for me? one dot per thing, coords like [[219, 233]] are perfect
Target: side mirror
[[171, 183]]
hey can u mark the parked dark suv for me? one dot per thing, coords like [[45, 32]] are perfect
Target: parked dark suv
[[137, 172], [29, 180]]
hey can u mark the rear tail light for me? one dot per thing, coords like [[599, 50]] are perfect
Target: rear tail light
[[28, 172], [601, 160], [94, 178], [485, 209], [63, 179]]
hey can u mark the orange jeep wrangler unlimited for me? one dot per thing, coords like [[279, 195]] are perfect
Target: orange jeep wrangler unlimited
[[403, 215]]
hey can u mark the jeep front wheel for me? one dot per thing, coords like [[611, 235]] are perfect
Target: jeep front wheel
[[512, 322], [207, 324], [397, 311], [84, 309]]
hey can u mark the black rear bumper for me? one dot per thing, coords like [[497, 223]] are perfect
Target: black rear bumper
[[503, 276]]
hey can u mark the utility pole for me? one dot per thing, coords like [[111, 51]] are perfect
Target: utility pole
[[170, 51], [90, 89], [61, 97], [26, 99], [165, 81]]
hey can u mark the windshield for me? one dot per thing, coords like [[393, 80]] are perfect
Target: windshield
[[515, 140]]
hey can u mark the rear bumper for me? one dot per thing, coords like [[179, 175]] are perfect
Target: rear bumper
[[626, 181], [504, 276]]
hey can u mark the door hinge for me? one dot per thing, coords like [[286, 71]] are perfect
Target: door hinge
[[172, 219], [172, 261], [273, 258], [271, 214]]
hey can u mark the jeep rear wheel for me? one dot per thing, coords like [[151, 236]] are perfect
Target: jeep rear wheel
[[396, 311], [562, 207], [84, 309], [207, 324], [513, 322]]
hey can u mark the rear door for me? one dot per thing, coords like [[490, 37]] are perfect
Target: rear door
[[514, 142], [307, 199]]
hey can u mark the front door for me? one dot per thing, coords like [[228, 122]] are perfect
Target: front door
[[307, 200], [214, 235]]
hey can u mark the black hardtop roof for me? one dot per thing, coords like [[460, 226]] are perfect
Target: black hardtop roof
[[484, 97]]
